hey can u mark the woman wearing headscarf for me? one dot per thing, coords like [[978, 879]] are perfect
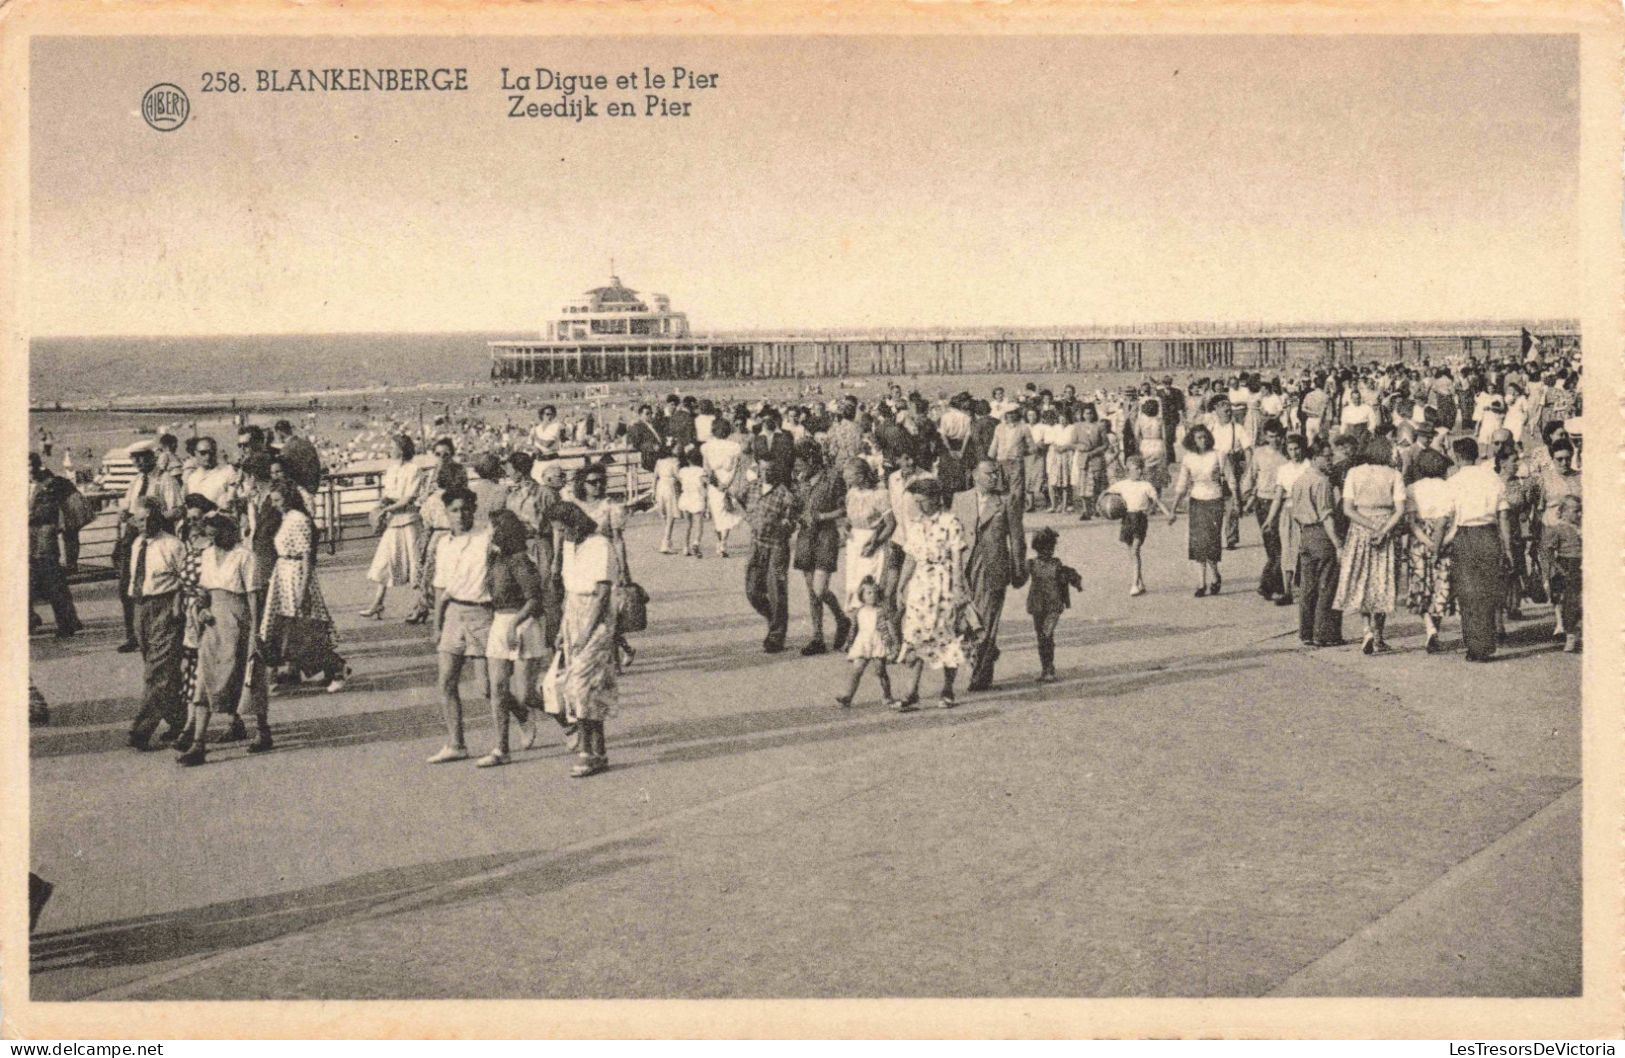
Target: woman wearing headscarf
[[935, 600], [1368, 578]]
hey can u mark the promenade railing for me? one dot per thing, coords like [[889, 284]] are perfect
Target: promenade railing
[[345, 499]]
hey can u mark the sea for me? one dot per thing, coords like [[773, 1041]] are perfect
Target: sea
[[95, 370]]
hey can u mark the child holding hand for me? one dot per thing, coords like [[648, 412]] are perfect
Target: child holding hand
[[871, 641], [1047, 596]]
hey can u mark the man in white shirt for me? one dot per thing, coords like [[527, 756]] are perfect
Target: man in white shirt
[[211, 479], [154, 586], [464, 601], [1481, 532]]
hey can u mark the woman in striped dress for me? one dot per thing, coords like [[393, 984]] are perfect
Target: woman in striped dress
[[1368, 579]]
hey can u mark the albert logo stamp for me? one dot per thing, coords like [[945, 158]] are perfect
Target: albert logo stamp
[[165, 107]]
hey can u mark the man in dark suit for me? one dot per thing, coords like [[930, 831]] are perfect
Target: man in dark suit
[[645, 438], [1172, 404], [46, 578], [997, 561], [774, 446]]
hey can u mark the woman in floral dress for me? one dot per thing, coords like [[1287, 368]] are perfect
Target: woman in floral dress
[[1428, 509], [933, 593], [193, 544]]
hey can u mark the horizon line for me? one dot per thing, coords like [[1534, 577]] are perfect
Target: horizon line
[[1195, 326]]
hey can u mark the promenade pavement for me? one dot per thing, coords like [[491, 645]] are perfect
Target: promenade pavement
[[1199, 807]]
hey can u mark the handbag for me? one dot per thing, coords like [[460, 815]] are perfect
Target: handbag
[[1534, 581], [634, 612], [77, 512], [552, 703]]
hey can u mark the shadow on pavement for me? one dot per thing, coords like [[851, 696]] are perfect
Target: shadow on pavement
[[238, 923]]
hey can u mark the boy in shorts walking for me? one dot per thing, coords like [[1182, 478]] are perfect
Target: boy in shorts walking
[[1139, 498]]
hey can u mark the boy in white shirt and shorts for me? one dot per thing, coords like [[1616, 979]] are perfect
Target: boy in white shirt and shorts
[[1139, 498]]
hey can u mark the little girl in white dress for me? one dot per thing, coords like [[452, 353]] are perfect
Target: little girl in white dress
[[871, 642]]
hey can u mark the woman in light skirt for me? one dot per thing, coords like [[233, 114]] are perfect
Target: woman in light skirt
[[226, 642], [666, 503], [1368, 579], [396, 560], [721, 456], [1297, 462], [587, 684], [870, 524]]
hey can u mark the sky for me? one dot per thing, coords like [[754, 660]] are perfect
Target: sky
[[824, 182]]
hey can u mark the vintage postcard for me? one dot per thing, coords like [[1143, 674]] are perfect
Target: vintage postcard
[[767, 520]]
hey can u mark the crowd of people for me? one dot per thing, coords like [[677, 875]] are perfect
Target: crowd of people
[[1443, 489]]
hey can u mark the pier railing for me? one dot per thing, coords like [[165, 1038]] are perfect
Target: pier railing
[[345, 500]]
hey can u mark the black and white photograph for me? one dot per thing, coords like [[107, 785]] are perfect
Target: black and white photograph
[[668, 512]]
